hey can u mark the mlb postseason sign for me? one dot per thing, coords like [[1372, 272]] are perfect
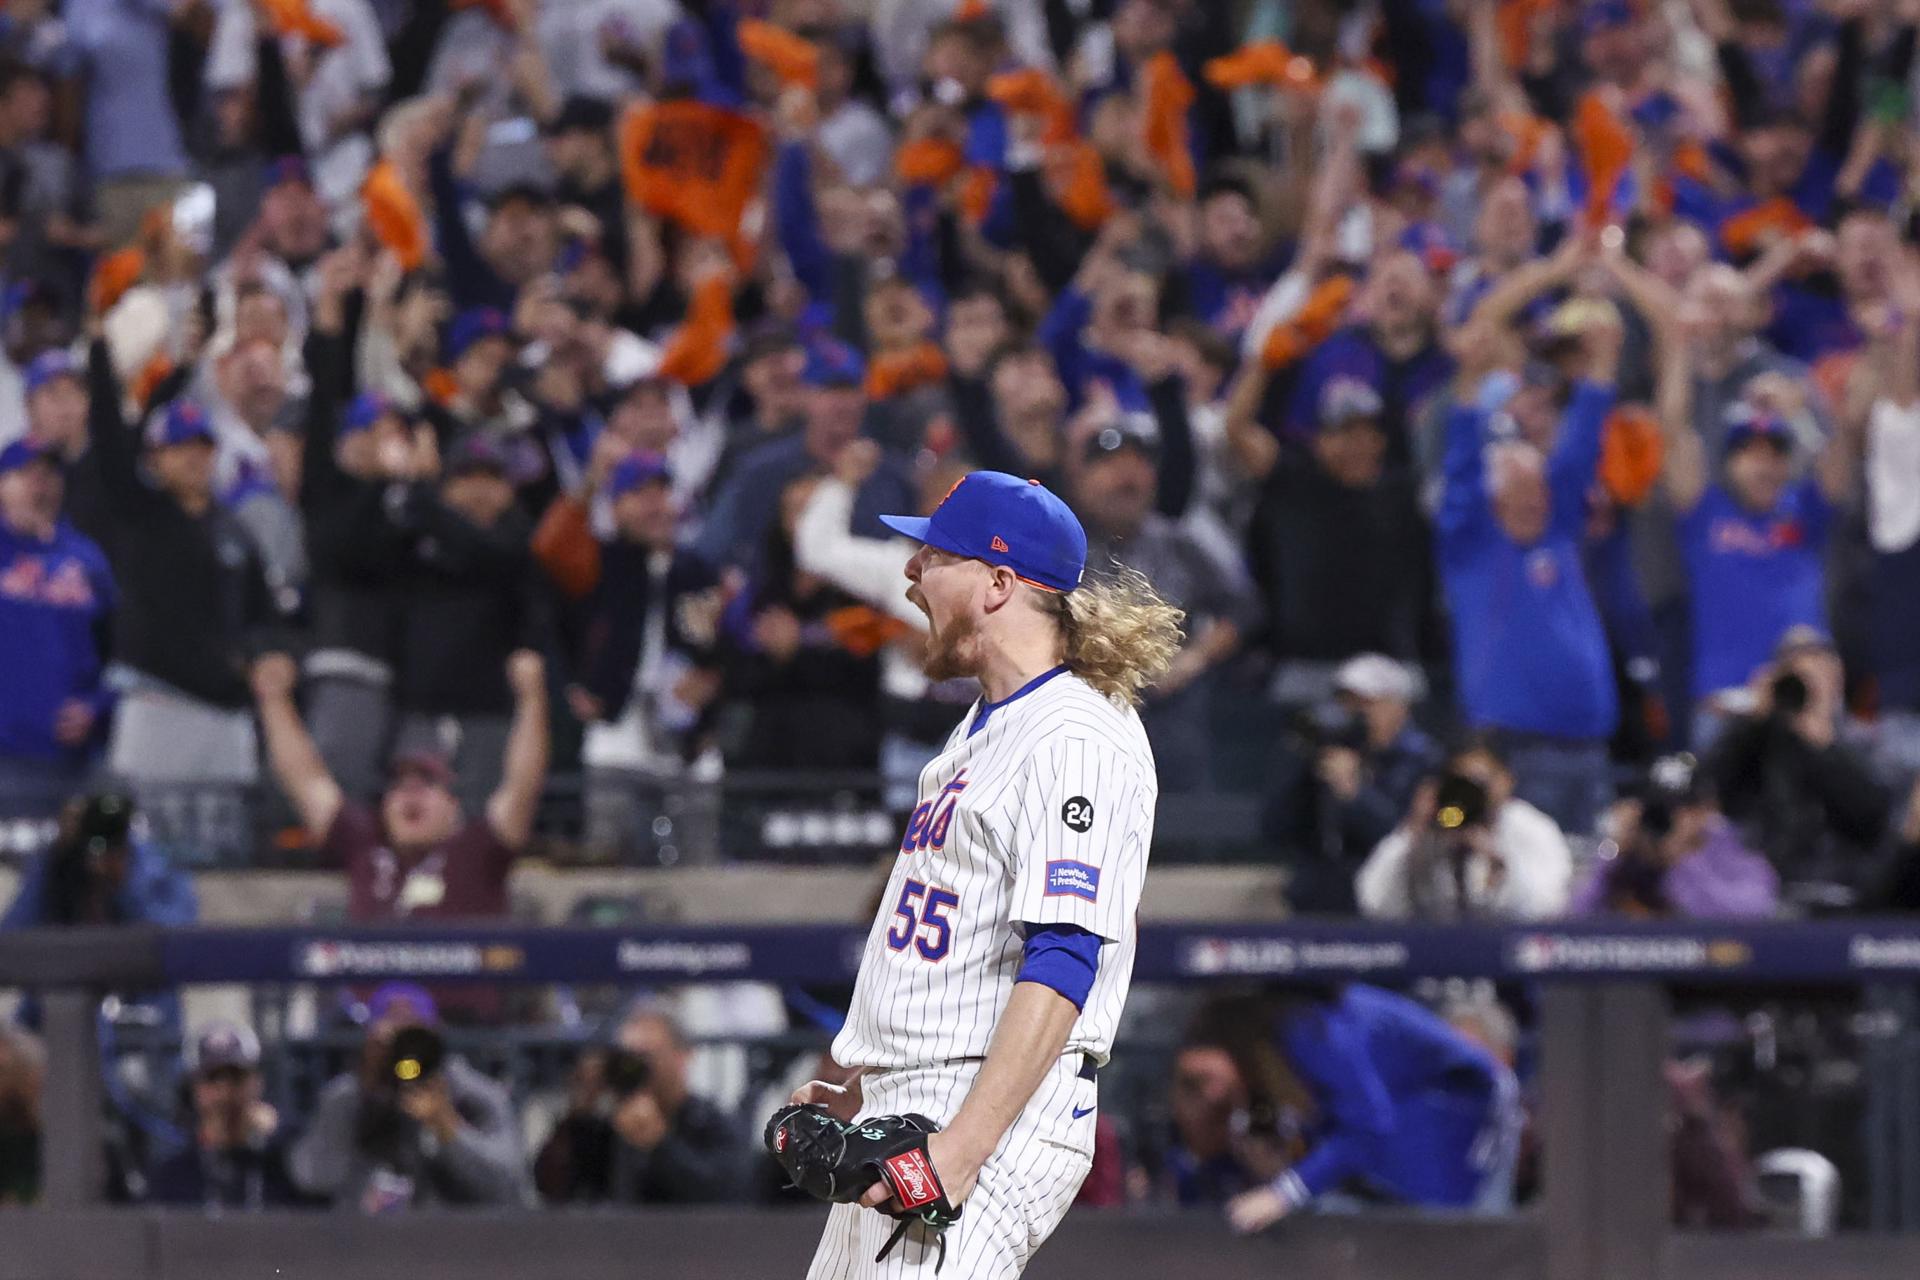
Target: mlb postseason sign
[[1837, 951]]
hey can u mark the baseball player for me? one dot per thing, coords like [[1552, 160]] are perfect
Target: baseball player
[[993, 979]]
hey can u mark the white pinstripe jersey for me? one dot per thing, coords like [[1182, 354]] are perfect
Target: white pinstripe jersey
[[1038, 811]]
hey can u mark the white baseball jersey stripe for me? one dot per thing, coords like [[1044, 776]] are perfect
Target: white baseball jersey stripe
[[1039, 811]]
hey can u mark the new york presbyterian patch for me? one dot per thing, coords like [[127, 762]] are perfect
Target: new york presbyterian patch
[[1066, 879]]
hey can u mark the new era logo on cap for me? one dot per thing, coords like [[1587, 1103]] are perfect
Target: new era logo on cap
[[999, 543]]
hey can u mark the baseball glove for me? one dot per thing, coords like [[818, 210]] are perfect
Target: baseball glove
[[838, 1162]]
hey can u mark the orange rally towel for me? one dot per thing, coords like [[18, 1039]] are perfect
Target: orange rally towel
[[1754, 230], [698, 350], [394, 215], [1079, 178], [1264, 62], [902, 371], [1515, 20], [1312, 325], [113, 275], [863, 630], [792, 60], [928, 162], [1631, 454], [439, 386], [695, 164], [1166, 98], [294, 18], [1606, 149]]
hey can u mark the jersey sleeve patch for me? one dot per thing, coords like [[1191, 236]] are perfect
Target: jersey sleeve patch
[[1069, 879]]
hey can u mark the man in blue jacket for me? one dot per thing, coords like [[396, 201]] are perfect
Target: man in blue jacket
[[56, 603], [1530, 650], [1400, 1106]]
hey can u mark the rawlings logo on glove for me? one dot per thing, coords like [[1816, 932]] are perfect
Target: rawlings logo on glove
[[839, 1162]]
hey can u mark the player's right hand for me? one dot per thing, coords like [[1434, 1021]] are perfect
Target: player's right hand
[[843, 1102]]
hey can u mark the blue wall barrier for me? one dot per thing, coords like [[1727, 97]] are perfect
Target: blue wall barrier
[[1825, 951]]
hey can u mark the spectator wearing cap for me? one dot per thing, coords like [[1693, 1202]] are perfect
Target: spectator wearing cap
[[804, 656], [1671, 852], [480, 348], [135, 154], [337, 96], [1235, 264], [579, 146], [518, 243], [1530, 653], [769, 400], [416, 1131], [1755, 542], [236, 1154], [643, 673], [293, 218], [417, 854], [1397, 353], [56, 606], [469, 599], [56, 389], [1330, 515], [1469, 848], [918, 713], [1343, 779], [1114, 491], [1789, 775], [194, 601], [352, 453], [748, 502], [258, 460]]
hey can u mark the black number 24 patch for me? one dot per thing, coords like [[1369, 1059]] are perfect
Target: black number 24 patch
[[1078, 814]]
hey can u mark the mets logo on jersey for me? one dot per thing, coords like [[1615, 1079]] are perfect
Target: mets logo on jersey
[[1069, 879], [926, 831]]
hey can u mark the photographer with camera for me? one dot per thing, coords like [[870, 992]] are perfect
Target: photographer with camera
[[1786, 776], [98, 871], [1469, 850], [414, 1126], [1345, 775], [633, 1134], [1671, 852], [236, 1156]]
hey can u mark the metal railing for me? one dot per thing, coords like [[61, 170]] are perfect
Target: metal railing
[[789, 818], [1602, 995]]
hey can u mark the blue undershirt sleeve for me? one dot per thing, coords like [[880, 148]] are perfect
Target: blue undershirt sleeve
[[1064, 957]]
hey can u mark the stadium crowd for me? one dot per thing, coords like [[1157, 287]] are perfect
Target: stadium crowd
[[403, 400]]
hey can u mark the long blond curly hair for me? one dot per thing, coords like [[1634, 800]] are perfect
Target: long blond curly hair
[[1120, 635]]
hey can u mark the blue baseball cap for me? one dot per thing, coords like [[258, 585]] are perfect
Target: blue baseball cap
[[285, 169], [1607, 15], [471, 326], [833, 364], [24, 453], [182, 422], [1005, 520], [366, 409], [1746, 425], [49, 365], [635, 470]]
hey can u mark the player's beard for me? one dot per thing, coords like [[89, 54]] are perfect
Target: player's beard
[[952, 650]]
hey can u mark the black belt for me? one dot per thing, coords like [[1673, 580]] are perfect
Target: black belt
[[1089, 1067]]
